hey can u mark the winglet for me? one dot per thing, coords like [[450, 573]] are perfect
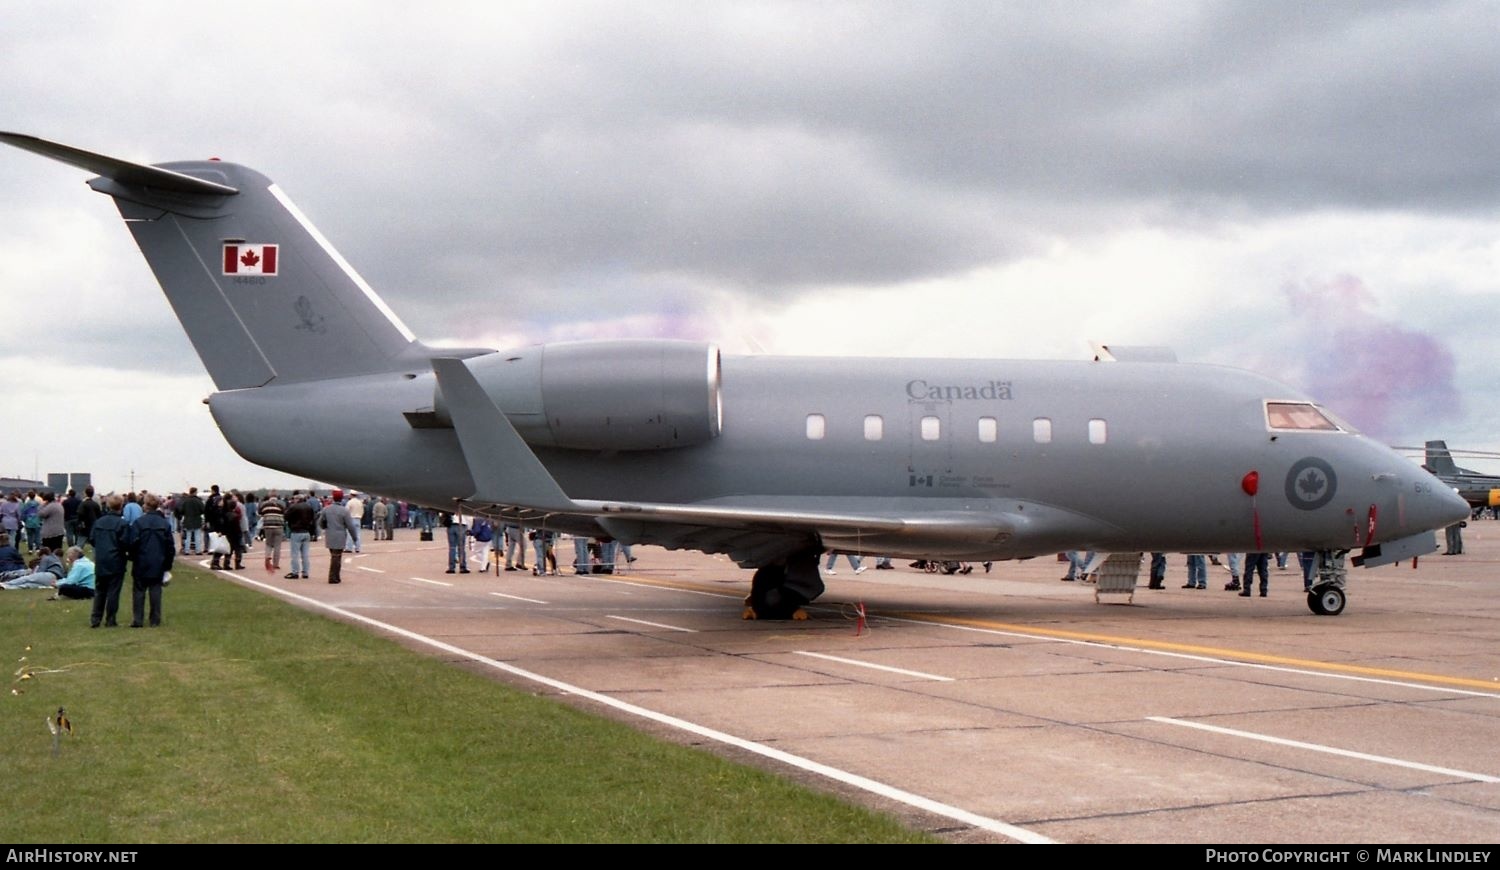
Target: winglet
[[122, 171], [503, 467]]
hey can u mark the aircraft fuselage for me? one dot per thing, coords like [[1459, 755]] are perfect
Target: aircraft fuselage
[[1071, 451]]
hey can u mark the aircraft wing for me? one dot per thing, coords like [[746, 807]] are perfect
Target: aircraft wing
[[510, 481]]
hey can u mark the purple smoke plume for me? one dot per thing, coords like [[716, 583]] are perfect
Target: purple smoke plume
[[1386, 379]]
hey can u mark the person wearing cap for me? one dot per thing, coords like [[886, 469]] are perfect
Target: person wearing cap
[[335, 520]]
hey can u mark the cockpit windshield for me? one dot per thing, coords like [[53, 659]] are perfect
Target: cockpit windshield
[[1300, 416], [1344, 425]]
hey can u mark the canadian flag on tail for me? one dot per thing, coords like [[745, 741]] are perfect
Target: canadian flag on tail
[[243, 259]]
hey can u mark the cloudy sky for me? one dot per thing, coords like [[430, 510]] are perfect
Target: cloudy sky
[[1306, 190]]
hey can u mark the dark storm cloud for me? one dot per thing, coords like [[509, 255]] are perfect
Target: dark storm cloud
[[522, 157], [771, 148]]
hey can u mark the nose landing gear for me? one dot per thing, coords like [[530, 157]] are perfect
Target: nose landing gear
[[1327, 598]]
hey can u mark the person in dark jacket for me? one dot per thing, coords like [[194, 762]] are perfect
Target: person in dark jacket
[[190, 510], [232, 526], [70, 516], [149, 542], [108, 539], [213, 518], [300, 522], [88, 514], [10, 557]]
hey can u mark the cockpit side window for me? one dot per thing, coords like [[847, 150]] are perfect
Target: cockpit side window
[[1298, 416]]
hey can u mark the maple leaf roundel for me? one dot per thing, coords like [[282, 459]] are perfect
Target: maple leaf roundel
[[1310, 483]]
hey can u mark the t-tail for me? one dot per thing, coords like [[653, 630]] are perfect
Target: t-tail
[[1439, 460], [261, 293]]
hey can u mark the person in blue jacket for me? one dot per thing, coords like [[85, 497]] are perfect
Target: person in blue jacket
[[151, 547], [108, 539], [80, 580]]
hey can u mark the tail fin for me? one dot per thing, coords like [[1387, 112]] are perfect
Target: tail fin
[[262, 294], [1439, 460]]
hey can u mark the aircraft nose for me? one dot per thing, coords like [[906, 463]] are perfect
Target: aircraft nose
[[1438, 508]]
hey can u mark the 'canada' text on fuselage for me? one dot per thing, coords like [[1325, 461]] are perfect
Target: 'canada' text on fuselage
[[994, 390]]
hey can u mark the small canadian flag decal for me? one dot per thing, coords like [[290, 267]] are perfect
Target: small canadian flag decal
[[243, 259]]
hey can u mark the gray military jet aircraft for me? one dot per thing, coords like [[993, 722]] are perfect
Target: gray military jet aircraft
[[1476, 488], [772, 460]]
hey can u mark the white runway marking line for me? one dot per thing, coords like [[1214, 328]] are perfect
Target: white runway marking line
[[371, 570], [852, 779], [652, 624], [433, 582], [517, 598], [1331, 750], [918, 674]]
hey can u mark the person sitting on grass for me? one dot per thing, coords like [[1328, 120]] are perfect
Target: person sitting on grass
[[43, 574], [10, 557], [80, 580]]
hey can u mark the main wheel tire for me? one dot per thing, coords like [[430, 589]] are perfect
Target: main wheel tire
[[1315, 603], [769, 596], [765, 577]]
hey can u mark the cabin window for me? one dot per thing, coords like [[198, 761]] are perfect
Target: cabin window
[[1041, 430], [1298, 415], [874, 427], [1098, 431], [989, 429], [817, 427], [932, 427]]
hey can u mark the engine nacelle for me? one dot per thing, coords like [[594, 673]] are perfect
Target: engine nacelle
[[605, 395]]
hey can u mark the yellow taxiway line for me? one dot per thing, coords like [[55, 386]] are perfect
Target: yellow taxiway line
[[1206, 651]]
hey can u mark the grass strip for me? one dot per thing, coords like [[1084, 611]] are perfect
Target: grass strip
[[245, 719]]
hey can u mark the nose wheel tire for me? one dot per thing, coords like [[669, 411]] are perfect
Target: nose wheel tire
[[1326, 601]]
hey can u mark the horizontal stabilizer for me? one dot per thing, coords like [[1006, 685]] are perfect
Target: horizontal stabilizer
[[122, 171]]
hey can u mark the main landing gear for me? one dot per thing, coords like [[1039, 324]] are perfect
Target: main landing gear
[[780, 591], [1327, 598]]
